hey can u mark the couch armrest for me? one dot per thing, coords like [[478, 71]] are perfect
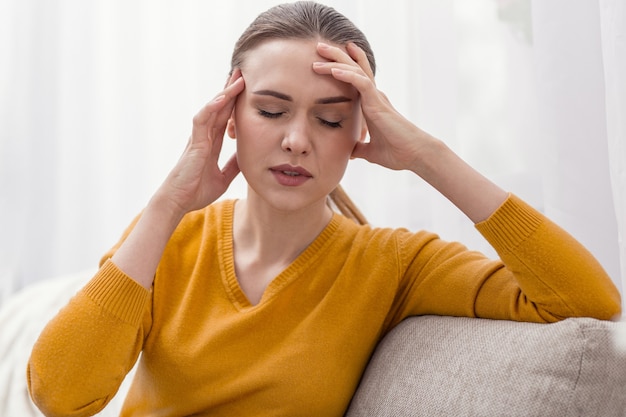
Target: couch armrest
[[452, 366]]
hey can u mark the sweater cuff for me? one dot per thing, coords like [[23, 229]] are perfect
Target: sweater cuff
[[118, 294], [512, 223]]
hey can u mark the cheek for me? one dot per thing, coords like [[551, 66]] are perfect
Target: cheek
[[340, 152], [243, 121]]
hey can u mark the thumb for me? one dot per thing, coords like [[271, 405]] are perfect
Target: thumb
[[361, 150], [230, 169]]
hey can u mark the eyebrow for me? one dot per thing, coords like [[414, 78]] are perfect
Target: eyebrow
[[324, 100]]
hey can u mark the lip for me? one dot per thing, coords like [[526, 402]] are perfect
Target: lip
[[290, 168], [289, 175]]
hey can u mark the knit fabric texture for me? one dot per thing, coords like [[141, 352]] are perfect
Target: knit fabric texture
[[302, 349]]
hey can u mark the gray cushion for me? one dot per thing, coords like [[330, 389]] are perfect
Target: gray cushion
[[451, 366]]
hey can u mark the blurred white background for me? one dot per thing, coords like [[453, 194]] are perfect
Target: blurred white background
[[97, 97]]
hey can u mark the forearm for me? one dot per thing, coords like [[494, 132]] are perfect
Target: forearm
[[554, 275], [543, 274], [195, 182], [470, 191], [140, 253], [86, 350]]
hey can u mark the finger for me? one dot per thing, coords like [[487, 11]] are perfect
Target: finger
[[216, 138], [202, 120], [218, 110], [233, 88], [236, 73], [205, 112], [230, 93], [359, 55], [334, 53], [361, 151], [357, 61], [219, 120], [230, 169], [360, 81], [327, 67]]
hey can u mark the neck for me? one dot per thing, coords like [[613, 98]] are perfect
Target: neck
[[274, 235]]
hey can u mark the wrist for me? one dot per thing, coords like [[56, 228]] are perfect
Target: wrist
[[165, 210], [428, 156], [140, 254]]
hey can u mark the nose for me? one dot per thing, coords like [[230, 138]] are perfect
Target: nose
[[297, 139]]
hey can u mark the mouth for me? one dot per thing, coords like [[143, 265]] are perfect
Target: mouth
[[291, 171], [290, 176]]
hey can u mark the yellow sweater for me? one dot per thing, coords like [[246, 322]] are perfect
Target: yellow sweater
[[301, 351]]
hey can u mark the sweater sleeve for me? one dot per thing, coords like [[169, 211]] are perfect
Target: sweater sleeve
[[85, 351], [546, 271], [543, 274]]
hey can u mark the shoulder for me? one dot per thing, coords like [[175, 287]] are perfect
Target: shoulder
[[211, 219], [218, 211], [383, 239]]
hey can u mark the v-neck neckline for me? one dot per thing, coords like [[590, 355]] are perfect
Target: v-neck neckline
[[289, 274]]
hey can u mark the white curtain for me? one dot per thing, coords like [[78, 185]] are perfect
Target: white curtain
[[613, 32], [97, 99], [580, 63]]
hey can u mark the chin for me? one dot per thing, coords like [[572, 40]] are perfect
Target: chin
[[289, 201]]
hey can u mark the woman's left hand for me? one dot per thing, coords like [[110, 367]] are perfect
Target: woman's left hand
[[395, 142]]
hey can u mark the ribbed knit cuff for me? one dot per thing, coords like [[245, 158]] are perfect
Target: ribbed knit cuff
[[117, 293], [510, 224]]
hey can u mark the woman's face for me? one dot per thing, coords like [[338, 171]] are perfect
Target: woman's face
[[295, 129]]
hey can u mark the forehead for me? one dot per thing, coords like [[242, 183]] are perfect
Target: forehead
[[286, 65]]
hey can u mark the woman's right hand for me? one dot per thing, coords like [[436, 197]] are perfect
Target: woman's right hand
[[197, 180]]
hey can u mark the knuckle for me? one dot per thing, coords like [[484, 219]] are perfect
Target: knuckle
[[197, 120]]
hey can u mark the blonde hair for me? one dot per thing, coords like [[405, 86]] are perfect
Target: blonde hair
[[307, 20], [339, 201], [301, 20]]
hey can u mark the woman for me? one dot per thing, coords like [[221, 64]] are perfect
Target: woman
[[272, 305]]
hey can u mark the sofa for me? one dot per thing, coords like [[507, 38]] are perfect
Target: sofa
[[426, 366], [454, 366]]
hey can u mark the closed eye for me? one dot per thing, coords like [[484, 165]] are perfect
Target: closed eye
[[334, 125], [270, 115]]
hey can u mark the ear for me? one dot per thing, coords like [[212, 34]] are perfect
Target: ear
[[230, 128], [362, 137], [363, 130]]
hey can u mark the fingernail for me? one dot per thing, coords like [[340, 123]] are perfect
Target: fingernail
[[219, 98]]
